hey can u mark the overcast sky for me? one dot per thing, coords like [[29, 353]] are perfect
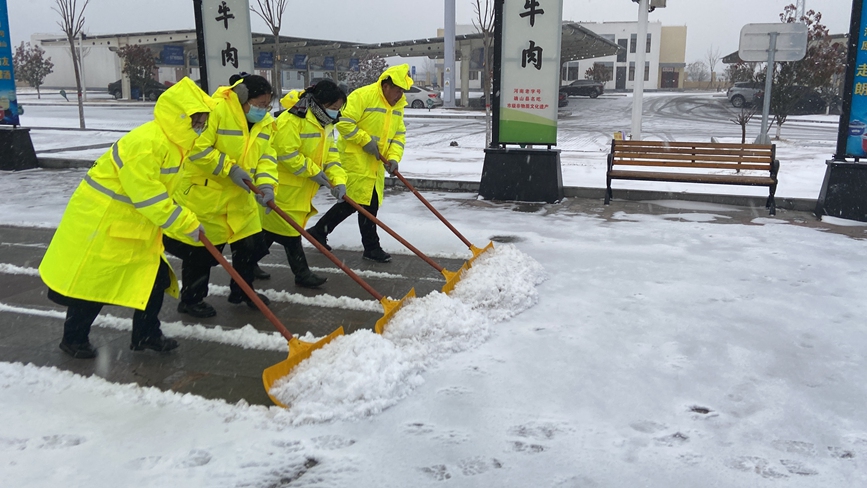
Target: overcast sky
[[710, 23]]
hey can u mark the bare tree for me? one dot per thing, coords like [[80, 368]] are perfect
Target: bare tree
[[697, 71], [71, 22], [271, 11], [484, 24], [712, 56], [742, 119]]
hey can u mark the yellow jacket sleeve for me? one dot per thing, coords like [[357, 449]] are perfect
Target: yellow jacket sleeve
[[206, 156], [288, 146], [139, 173], [349, 117], [396, 144], [266, 167], [332, 167]]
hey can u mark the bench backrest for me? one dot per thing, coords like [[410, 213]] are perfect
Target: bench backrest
[[693, 155]]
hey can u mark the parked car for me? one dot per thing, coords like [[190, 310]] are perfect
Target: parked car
[[152, 91], [417, 97], [563, 99], [806, 101], [743, 93], [584, 88]]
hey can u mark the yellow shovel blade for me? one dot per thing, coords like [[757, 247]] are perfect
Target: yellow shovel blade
[[452, 278], [390, 307], [478, 252], [298, 351]]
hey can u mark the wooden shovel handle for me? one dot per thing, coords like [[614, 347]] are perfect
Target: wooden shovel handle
[[337, 262], [427, 204], [244, 286]]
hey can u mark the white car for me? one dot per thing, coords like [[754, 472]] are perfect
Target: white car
[[417, 97]]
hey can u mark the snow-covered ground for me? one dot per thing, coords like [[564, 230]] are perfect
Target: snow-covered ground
[[649, 349]]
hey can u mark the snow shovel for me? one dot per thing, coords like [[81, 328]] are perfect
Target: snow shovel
[[389, 306], [298, 350], [475, 250], [452, 277]]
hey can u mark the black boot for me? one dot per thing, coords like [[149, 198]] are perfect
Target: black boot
[[241, 297], [83, 350], [298, 262], [159, 343], [320, 237]]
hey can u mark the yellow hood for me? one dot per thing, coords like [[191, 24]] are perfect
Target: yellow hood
[[290, 99], [399, 76], [174, 108]]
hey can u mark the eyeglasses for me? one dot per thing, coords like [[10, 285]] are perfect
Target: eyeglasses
[[264, 105]]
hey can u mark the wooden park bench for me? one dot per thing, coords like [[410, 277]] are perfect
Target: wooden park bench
[[694, 162]]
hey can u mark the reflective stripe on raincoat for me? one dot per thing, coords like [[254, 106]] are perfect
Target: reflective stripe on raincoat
[[227, 212], [108, 245], [304, 148], [367, 116]]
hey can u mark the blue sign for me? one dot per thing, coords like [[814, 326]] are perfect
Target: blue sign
[[265, 59], [300, 61], [413, 70], [353, 64], [856, 142], [8, 97], [172, 55], [328, 63]]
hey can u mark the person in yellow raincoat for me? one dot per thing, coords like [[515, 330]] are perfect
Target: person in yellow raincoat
[[371, 124], [108, 248], [234, 149], [307, 158]]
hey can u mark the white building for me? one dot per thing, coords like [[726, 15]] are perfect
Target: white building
[[665, 49]]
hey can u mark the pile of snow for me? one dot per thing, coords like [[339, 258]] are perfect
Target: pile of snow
[[361, 374]]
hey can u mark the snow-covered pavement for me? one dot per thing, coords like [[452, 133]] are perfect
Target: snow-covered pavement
[[646, 344]]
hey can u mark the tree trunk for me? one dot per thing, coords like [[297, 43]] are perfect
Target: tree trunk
[[278, 81], [77, 81], [744, 133], [38, 94]]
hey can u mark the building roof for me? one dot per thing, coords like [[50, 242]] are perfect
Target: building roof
[[577, 43]]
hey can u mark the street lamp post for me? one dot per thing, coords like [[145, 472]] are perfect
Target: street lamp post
[[644, 7], [638, 87]]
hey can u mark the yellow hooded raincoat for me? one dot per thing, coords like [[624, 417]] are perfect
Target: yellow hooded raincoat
[[227, 212], [108, 245], [367, 116], [304, 148]]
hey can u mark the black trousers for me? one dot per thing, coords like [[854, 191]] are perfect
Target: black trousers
[[341, 210], [197, 264], [80, 314], [294, 252]]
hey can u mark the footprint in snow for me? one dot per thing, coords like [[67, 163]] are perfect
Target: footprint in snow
[[143, 463], [454, 391], [438, 472], [519, 446], [288, 446], [753, 464], [795, 447], [193, 459], [12, 444], [538, 430], [796, 467], [648, 426], [332, 442], [673, 440], [60, 441], [840, 453], [477, 465], [417, 428]]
